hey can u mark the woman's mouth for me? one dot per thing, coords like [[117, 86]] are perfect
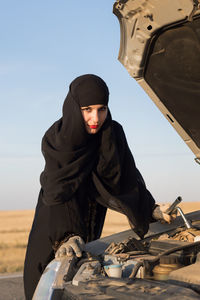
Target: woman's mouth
[[94, 126]]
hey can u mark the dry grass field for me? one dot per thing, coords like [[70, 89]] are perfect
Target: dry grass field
[[15, 226]]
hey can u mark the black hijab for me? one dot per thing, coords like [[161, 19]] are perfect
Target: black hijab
[[102, 161]]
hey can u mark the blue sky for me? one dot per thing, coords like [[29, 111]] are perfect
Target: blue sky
[[44, 46]]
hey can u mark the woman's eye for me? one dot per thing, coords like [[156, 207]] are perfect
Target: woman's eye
[[103, 108], [86, 109]]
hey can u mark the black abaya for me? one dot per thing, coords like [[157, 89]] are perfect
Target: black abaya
[[84, 175]]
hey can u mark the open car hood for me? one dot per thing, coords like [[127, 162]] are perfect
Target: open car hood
[[160, 48]]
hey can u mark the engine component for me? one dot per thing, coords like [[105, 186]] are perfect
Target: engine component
[[88, 271], [185, 251], [131, 244], [187, 276], [166, 266], [114, 270]]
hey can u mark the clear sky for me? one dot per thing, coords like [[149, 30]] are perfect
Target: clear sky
[[44, 46]]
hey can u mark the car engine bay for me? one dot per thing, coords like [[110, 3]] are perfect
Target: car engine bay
[[165, 264]]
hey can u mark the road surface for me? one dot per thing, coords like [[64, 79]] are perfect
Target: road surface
[[11, 287]]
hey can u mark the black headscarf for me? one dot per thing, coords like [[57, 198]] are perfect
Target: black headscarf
[[103, 161]]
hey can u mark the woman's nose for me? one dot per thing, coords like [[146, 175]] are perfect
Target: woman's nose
[[95, 116]]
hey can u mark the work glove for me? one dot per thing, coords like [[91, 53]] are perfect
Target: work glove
[[159, 213], [73, 247]]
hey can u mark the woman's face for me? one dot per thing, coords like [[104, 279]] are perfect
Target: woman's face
[[94, 117]]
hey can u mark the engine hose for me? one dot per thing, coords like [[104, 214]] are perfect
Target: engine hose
[[170, 251], [135, 269]]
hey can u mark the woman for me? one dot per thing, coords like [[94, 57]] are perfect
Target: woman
[[88, 169]]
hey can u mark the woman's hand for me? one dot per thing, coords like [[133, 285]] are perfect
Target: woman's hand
[[160, 214], [73, 247]]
